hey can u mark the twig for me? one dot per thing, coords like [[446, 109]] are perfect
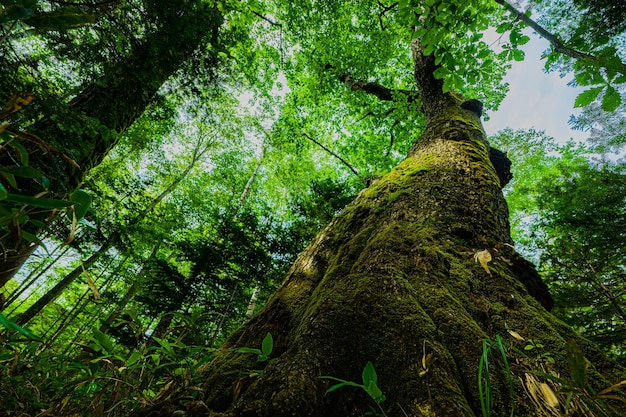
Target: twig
[[380, 91], [266, 19], [385, 10], [333, 154]]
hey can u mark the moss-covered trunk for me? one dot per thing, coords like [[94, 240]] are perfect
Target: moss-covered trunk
[[396, 279]]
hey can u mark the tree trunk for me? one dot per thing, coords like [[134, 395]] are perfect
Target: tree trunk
[[400, 278], [162, 328], [54, 292], [130, 293], [91, 124]]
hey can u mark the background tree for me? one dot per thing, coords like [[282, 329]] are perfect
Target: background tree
[[569, 217]]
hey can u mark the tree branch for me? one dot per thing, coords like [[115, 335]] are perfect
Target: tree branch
[[382, 13], [259, 15], [333, 154], [380, 91], [556, 43]]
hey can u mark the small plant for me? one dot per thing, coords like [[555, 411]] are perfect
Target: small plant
[[266, 349], [541, 356], [550, 392], [581, 398], [369, 385], [484, 381]]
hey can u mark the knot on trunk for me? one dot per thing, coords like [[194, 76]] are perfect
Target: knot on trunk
[[502, 164], [473, 105]]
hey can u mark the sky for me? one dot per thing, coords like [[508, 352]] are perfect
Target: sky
[[536, 99]]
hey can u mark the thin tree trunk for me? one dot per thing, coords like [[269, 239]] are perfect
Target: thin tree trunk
[[130, 293], [246, 189], [223, 317], [255, 293], [76, 311], [162, 328], [253, 300], [411, 277], [31, 279], [54, 292]]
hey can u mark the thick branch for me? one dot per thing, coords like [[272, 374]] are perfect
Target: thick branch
[[556, 43], [434, 100], [380, 91]]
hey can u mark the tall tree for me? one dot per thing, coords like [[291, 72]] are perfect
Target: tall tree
[[410, 277]]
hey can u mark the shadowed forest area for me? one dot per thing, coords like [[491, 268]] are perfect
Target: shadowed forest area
[[262, 208]]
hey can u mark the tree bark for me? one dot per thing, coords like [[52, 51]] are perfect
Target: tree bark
[[92, 122], [394, 280]]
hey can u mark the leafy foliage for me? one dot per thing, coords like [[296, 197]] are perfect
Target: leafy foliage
[[568, 212]]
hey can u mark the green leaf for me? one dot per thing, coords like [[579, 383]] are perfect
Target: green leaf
[[518, 55], [88, 224], [29, 236], [369, 374], [133, 358], [61, 19], [577, 364], [587, 97], [249, 350], [336, 386], [375, 392], [11, 325], [21, 150], [103, 340], [429, 49], [267, 345], [3, 192], [82, 202], [47, 203], [25, 172], [611, 99], [10, 178]]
